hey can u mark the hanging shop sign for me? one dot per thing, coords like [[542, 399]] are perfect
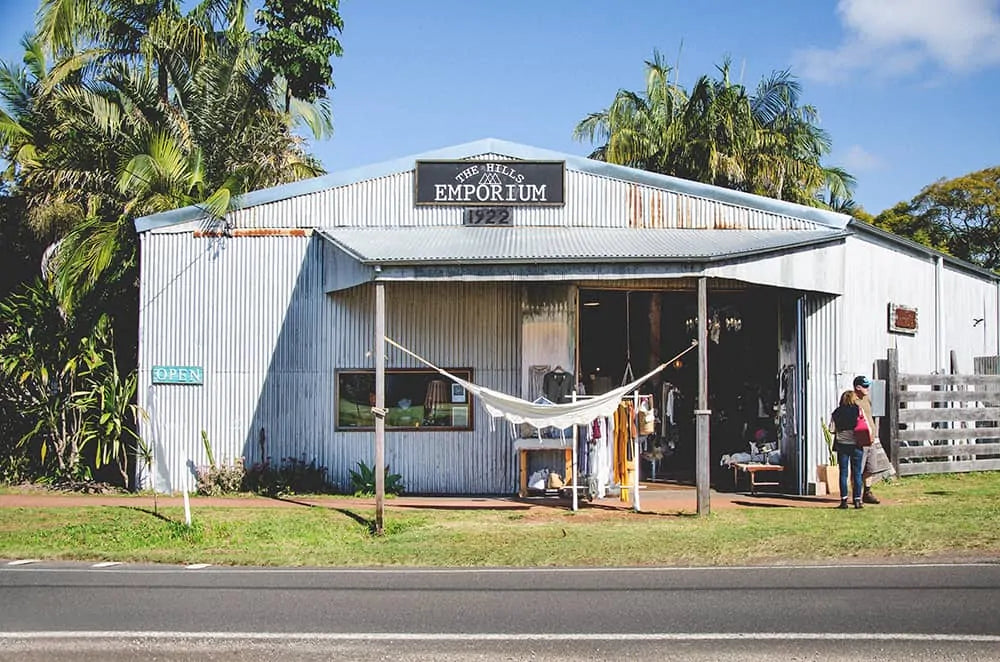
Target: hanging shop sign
[[902, 319], [490, 183], [178, 374]]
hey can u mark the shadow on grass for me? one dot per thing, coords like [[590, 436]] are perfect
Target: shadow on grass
[[777, 500], [464, 506], [149, 511], [363, 521], [295, 502], [360, 519]]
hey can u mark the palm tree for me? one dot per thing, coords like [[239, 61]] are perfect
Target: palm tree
[[638, 130], [152, 110], [720, 133]]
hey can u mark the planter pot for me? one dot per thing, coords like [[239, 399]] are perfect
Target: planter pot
[[829, 474]]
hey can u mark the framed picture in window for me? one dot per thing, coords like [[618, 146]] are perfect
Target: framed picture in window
[[459, 417], [457, 393]]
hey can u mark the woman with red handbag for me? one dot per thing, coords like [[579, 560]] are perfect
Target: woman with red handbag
[[850, 427]]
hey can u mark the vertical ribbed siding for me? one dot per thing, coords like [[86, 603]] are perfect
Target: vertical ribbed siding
[[591, 201], [252, 312], [970, 327], [457, 325], [821, 381], [209, 303]]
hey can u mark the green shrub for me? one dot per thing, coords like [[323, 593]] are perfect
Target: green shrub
[[214, 480], [363, 481], [291, 476]]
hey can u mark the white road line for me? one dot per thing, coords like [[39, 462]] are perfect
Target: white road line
[[500, 636], [197, 566], [106, 564], [22, 562]]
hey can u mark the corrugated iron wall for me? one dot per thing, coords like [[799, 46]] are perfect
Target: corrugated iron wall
[[252, 312], [591, 201], [822, 382], [970, 323]]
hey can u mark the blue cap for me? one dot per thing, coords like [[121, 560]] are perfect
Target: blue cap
[[861, 380]]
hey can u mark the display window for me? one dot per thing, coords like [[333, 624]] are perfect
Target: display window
[[415, 399]]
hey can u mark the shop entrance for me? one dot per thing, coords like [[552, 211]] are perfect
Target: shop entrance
[[751, 343]]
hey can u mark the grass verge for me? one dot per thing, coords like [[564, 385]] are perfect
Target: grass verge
[[929, 517]]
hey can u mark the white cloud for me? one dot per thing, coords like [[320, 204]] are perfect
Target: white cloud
[[898, 37], [857, 159]]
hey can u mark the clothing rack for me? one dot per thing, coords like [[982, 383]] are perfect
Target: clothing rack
[[634, 400]]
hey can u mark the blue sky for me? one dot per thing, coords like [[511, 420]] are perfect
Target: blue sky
[[907, 89]]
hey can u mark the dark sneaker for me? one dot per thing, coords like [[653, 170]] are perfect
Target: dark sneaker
[[868, 497], [857, 504], [842, 506]]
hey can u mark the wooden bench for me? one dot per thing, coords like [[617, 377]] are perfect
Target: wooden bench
[[752, 469]]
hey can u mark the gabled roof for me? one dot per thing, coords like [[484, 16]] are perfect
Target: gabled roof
[[512, 150]]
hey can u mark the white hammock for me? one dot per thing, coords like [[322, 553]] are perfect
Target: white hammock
[[562, 415]]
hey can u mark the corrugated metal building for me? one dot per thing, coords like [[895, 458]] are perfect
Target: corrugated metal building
[[271, 310]]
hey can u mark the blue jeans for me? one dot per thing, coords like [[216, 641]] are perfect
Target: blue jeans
[[850, 456]]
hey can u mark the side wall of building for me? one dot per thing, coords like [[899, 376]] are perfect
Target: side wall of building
[[948, 300]]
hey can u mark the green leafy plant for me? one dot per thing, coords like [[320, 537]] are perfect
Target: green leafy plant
[[363, 481], [290, 476], [60, 377], [208, 449], [828, 437]]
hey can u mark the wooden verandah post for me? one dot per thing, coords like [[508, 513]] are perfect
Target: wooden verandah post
[[892, 406]]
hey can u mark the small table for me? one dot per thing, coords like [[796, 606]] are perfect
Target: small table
[[524, 446], [752, 469]]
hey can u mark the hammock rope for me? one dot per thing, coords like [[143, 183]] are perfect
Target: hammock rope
[[560, 415]]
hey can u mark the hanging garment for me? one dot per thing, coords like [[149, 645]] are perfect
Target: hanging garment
[[561, 415], [557, 385], [624, 460], [536, 376]]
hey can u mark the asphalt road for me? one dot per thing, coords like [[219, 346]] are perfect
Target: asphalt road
[[922, 611]]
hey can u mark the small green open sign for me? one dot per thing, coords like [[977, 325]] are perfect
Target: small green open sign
[[178, 374]]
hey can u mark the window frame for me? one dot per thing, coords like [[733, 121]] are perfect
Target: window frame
[[393, 411]]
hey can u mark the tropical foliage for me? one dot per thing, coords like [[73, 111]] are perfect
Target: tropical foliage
[[123, 108], [299, 43], [762, 141], [363, 481], [65, 392], [960, 216]]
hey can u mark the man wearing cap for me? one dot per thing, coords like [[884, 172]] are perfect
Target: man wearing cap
[[861, 386]]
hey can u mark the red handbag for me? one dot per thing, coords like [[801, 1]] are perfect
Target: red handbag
[[862, 435]]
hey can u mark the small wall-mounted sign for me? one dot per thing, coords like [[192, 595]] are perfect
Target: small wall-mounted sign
[[490, 183], [178, 374], [488, 216], [902, 319]]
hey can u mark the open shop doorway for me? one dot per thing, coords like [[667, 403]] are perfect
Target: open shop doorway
[[751, 343]]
